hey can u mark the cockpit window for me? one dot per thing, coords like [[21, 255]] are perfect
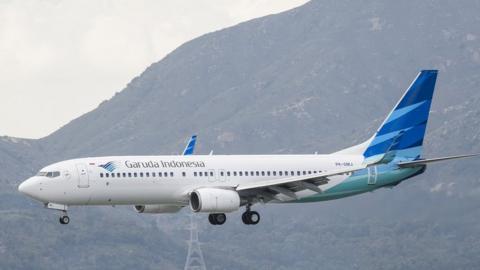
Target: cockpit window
[[49, 174]]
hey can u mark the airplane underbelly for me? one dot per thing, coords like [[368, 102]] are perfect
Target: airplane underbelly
[[133, 193]]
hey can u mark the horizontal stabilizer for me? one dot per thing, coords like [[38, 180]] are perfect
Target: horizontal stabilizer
[[420, 162]]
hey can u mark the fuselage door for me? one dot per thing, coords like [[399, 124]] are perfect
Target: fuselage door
[[372, 175], [83, 181]]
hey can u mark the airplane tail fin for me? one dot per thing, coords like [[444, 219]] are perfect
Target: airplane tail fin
[[402, 132]]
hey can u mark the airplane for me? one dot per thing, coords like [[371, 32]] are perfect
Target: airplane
[[219, 184]]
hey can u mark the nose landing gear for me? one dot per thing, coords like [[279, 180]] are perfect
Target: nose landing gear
[[64, 219]]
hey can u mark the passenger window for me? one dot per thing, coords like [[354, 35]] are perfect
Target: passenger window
[[298, 172], [206, 174], [134, 174], [314, 172], [171, 174], [304, 172], [130, 174], [147, 174], [195, 174], [257, 173], [211, 173], [184, 174], [141, 174], [165, 174], [124, 175], [154, 174], [309, 172], [113, 175], [240, 174], [251, 173], [263, 173], [292, 173], [268, 173], [118, 175], [246, 173], [221, 173], [228, 173], [280, 173], [235, 173], [106, 175], [286, 173], [101, 175], [200, 173], [274, 173]]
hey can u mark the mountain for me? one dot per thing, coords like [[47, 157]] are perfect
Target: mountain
[[316, 78]]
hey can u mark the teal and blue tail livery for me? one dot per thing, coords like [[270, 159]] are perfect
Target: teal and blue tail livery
[[402, 132], [190, 146]]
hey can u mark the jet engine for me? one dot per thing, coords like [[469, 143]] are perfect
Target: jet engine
[[214, 200], [157, 208]]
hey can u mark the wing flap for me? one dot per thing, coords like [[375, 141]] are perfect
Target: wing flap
[[315, 178]]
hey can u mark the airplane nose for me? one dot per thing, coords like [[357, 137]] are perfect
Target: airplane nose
[[26, 187]]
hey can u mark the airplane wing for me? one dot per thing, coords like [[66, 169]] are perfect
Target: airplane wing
[[190, 146], [420, 162], [269, 189]]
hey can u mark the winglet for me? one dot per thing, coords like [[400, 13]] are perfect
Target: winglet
[[190, 146]]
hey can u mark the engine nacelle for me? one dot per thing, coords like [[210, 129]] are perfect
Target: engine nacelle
[[157, 208], [214, 200]]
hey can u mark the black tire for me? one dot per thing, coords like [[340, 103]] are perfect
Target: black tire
[[220, 219], [254, 217], [246, 218], [212, 219], [64, 220]]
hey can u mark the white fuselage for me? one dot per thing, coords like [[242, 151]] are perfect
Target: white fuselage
[[136, 180]]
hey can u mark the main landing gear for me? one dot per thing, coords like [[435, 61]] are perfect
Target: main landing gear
[[217, 219], [250, 217]]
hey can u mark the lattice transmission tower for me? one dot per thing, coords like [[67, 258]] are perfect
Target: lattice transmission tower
[[195, 256]]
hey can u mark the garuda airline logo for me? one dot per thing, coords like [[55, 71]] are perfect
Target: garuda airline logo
[[109, 166]]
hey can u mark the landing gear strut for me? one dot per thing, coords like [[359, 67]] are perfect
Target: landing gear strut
[[64, 219], [250, 217], [217, 219]]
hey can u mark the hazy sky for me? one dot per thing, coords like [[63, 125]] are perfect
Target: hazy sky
[[60, 59]]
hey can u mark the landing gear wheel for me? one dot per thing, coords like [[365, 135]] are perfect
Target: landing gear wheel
[[217, 219], [211, 219], [251, 217], [64, 220], [254, 217], [220, 219]]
